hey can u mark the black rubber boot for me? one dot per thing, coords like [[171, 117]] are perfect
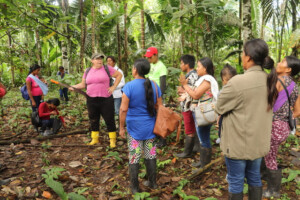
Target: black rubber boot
[[233, 196], [188, 148], [274, 182], [263, 170], [205, 157], [134, 177], [197, 144], [151, 173], [254, 193], [161, 143]]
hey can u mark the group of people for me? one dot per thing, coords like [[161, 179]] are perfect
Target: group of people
[[254, 114], [253, 111], [252, 107]]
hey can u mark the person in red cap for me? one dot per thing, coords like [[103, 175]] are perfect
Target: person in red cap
[[158, 73]]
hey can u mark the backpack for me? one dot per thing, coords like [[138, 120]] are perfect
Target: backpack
[[36, 120], [111, 81], [24, 92], [56, 125]]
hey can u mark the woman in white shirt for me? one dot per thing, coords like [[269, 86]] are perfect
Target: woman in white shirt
[[117, 94]]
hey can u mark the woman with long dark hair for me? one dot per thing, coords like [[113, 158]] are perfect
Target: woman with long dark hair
[[286, 69], [34, 91], [138, 108], [246, 105], [206, 90]]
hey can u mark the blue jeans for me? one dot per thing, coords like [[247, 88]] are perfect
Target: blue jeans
[[37, 100], [117, 103], [238, 170], [47, 123], [203, 133], [63, 93]]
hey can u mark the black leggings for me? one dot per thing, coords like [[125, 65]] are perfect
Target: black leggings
[[101, 106]]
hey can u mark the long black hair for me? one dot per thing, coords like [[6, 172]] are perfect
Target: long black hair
[[143, 67], [54, 101], [258, 51], [294, 64], [33, 67], [208, 65]]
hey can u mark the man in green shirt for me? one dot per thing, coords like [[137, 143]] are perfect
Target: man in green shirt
[[158, 73]]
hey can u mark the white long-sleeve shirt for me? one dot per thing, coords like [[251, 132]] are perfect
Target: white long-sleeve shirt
[[118, 93]]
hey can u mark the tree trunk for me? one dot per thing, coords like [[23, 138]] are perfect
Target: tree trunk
[[247, 24], [294, 24], [39, 48], [93, 26], [119, 45], [66, 45], [82, 36], [11, 59], [275, 35], [262, 26], [125, 69], [142, 26], [182, 29], [282, 31], [240, 32]]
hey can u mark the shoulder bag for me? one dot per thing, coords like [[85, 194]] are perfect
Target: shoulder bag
[[205, 113], [167, 120], [292, 121]]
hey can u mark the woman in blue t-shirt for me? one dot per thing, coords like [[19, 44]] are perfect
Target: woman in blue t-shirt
[[138, 108]]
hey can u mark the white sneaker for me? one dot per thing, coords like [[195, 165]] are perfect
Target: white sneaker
[[47, 132]]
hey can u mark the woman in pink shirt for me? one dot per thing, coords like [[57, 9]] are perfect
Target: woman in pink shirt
[[100, 101], [34, 91]]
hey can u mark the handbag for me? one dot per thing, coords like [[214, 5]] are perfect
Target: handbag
[[167, 120], [205, 113], [292, 121]]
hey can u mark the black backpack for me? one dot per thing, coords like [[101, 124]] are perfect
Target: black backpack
[[111, 80], [57, 124], [35, 119]]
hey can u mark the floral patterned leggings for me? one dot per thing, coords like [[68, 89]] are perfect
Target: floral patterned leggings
[[280, 131], [137, 146]]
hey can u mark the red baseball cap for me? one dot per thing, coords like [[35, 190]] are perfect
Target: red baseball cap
[[151, 51]]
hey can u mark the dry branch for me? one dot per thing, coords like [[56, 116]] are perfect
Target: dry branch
[[41, 138], [199, 171]]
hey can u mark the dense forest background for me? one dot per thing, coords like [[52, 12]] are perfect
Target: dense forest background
[[65, 33]]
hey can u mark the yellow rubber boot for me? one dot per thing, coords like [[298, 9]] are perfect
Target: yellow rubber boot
[[113, 139], [95, 138]]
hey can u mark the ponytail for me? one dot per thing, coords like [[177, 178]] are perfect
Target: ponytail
[[271, 81], [149, 97], [142, 67]]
